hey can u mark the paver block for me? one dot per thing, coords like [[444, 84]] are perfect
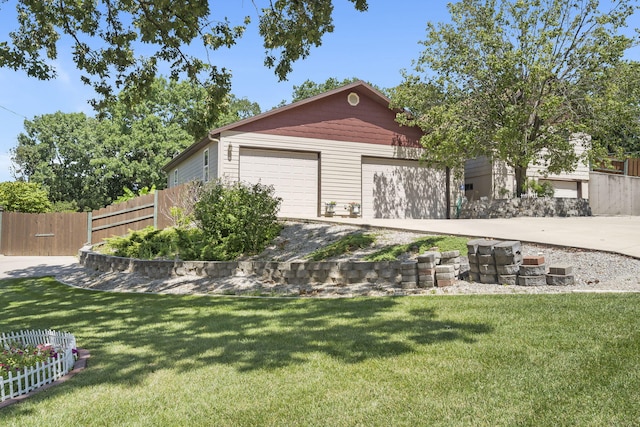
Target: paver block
[[472, 246], [561, 269], [508, 279], [450, 254], [445, 269], [533, 260], [486, 259], [447, 261], [445, 282], [486, 247], [532, 280], [474, 276], [488, 278], [429, 257], [561, 280], [445, 276], [508, 259], [473, 258], [533, 270], [510, 247], [508, 269], [474, 268], [409, 285], [488, 269]]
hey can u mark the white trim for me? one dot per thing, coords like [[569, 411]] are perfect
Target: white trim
[[206, 163]]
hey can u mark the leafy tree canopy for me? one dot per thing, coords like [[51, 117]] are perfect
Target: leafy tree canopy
[[514, 80], [24, 197], [88, 161], [107, 37]]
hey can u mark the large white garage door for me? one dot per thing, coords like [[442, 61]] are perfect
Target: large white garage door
[[294, 175], [401, 189]]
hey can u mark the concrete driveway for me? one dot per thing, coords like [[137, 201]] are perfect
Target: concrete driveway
[[617, 234], [12, 267]]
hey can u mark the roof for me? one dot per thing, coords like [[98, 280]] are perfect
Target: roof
[[373, 93]]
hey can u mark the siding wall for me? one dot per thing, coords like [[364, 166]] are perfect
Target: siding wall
[[340, 161], [191, 168]]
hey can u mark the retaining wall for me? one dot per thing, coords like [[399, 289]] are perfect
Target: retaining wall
[[524, 207], [302, 272]]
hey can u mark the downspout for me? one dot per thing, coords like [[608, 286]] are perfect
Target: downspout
[[448, 190]]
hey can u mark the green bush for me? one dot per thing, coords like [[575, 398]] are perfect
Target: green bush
[[540, 189], [236, 219], [148, 243]]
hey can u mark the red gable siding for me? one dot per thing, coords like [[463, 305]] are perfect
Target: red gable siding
[[333, 118]]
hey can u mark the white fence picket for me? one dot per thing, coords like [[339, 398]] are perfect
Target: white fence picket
[[30, 378]]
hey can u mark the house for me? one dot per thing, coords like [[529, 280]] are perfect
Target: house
[[343, 146], [495, 180]]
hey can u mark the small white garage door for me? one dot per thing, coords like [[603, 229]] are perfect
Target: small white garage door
[[566, 189], [294, 175], [394, 188]]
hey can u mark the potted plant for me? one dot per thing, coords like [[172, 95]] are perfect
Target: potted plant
[[354, 209], [329, 208]]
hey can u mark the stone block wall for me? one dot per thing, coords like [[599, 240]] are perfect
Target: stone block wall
[[298, 272], [528, 207]]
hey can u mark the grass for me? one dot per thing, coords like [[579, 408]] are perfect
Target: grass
[[344, 245], [564, 359], [443, 243]]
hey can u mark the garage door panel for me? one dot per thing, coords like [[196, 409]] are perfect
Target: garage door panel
[[394, 188], [294, 176]]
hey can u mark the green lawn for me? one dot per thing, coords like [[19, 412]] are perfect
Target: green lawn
[[156, 360]]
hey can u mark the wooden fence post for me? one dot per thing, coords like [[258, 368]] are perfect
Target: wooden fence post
[[155, 209]]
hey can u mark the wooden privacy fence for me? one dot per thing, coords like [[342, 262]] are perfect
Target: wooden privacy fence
[[627, 167], [25, 234]]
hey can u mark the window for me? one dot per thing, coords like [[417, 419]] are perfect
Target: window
[[468, 187], [205, 166], [175, 177]]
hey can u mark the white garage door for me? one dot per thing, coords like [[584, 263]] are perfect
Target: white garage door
[[401, 189], [294, 175], [567, 189]]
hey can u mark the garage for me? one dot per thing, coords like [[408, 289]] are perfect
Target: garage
[[293, 174], [564, 189], [394, 188]]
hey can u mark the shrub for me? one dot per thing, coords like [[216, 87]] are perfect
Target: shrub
[[539, 188], [148, 243], [236, 219]]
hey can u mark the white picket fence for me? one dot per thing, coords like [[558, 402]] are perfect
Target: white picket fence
[[30, 378]]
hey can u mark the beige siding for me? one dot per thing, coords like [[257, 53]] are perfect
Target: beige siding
[[340, 161], [478, 173], [191, 168]]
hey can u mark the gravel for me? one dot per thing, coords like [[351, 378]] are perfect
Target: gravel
[[594, 271]]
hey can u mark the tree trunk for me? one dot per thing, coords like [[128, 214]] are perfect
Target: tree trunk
[[521, 178]]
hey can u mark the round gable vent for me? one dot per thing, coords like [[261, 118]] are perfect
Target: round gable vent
[[353, 99]]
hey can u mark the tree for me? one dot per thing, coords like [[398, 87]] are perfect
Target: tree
[[90, 161], [55, 151], [24, 197], [615, 104], [513, 80], [108, 35]]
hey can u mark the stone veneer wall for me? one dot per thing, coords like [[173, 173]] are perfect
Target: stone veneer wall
[[509, 208]]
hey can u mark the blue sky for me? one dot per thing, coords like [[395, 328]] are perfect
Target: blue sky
[[374, 46]]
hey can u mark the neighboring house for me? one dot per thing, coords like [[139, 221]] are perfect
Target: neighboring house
[[342, 146], [495, 180]]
